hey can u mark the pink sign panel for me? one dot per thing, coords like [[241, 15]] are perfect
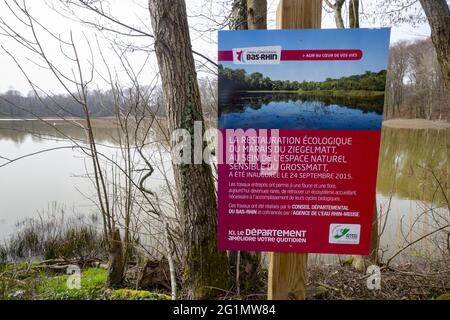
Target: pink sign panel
[[300, 115]]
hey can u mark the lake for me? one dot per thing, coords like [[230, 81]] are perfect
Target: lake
[[407, 190], [56, 181], [299, 111]]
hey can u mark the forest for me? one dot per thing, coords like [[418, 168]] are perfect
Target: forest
[[238, 79], [414, 89]]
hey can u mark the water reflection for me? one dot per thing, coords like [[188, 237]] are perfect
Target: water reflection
[[29, 185], [408, 160], [300, 111], [18, 131]]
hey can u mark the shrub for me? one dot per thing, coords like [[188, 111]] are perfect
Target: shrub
[[54, 236]]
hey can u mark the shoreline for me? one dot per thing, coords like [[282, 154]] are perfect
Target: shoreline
[[416, 124]]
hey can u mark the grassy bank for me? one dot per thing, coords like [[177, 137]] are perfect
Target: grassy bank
[[36, 259], [37, 281]]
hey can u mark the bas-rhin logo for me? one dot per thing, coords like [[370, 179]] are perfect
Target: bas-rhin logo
[[257, 55], [344, 233]]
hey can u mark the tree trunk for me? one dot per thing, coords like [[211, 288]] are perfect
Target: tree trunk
[[238, 20], [353, 13], [257, 14], [203, 266], [438, 15], [116, 261], [374, 240], [338, 14], [362, 262]]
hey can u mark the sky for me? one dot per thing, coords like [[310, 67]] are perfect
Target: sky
[[373, 43], [205, 18]]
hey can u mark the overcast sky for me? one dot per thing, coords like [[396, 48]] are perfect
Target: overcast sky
[[205, 17]]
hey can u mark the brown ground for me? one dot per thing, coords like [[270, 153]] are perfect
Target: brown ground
[[416, 281], [408, 281]]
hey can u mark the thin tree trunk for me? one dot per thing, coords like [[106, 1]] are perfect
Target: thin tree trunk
[[375, 239], [115, 262], [353, 13], [238, 20], [338, 14], [338, 17], [173, 278], [257, 14], [362, 262], [438, 15], [203, 266]]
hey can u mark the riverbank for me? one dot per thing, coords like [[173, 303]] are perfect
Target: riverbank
[[416, 124]]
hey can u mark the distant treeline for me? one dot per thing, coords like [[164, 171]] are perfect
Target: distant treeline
[[238, 79], [100, 103], [415, 88]]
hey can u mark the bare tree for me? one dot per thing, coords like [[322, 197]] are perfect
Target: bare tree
[[116, 194], [80, 81], [257, 14], [415, 87], [398, 66]]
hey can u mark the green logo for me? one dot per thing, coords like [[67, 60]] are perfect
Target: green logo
[[341, 233]]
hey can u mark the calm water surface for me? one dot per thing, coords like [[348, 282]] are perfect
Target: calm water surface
[[294, 111], [406, 188]]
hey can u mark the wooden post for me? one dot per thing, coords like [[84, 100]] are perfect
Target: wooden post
[[288, 271], [299, 14]]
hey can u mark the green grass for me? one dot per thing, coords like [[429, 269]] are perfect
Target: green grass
[[127, 294], [92, 286], [38, 285], [26, 281], [445, 296]]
